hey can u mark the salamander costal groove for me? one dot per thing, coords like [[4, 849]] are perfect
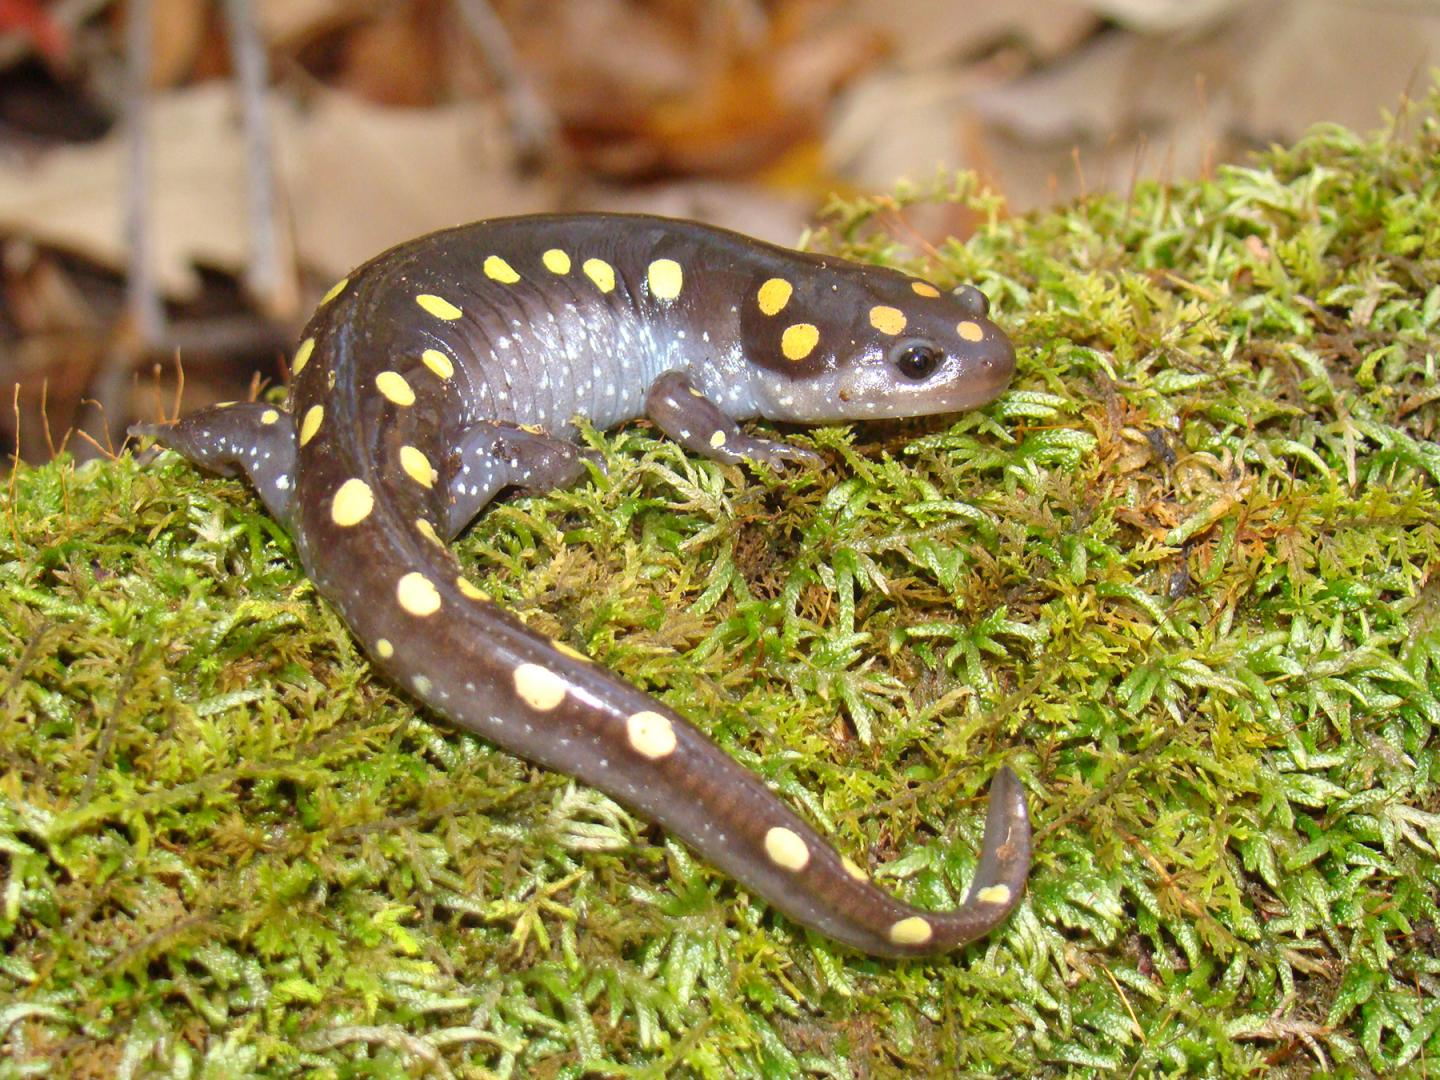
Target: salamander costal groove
[[453, 366]]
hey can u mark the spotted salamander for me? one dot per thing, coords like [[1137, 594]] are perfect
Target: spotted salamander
[[453, 366]]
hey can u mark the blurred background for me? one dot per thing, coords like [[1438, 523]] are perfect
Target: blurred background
[[180, 180]]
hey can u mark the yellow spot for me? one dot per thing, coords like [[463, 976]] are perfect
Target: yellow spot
[[421, 684], [786, 849], [924, 288], [911, 931], [417, 466], [666, 279], [499, 270], [887, 320], [470, 589], [335, 290], [269, 416], [384, 649], [302, 355], [438, 306], [438, 362], [600, 272], [651, 734], [799, 341], [330, 379], [567, 650], [994, 894], [556, 261], [352, 504], [717, 440], [853, 869], [393, 385], [539, 687], [224, 404], [694, 392], [970, 331], [425, 529], [774, 295], [311, 424], [417, 594]]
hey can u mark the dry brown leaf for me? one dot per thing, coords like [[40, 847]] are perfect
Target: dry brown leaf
[[932, 33]]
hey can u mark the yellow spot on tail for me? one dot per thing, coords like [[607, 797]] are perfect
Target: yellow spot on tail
[[499, 270], [384, 649], [799, 341], [393, 385], [853, 868], [470, 589], [785, 849], [539, 687], [887, 320], [556, 261], [269, 416], [911, 931], [438, 362], [417, 594], [311, 424], [600, 272], [666, 279], [994, 894], [924, 288], [352, 503], [717, 440], [774, 295], [335, 290], [438, 306], [567, 650], [651, 734], [970, 331], [425, 529], [417, 466], [302, 356]]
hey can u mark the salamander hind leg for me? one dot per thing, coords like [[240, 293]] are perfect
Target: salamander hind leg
[[251, 438], [697, 423], [494, 455]]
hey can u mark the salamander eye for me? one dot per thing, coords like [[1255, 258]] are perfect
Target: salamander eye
[[917, 360]]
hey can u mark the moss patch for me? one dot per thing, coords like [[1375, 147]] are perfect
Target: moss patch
[[1181, 577]]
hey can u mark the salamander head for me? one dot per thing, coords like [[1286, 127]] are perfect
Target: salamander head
[[870, 344]]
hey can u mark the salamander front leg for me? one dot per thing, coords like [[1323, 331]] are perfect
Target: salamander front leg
[[248, 437], [495, 455], [696, 423]]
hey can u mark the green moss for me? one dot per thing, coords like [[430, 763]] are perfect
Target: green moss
[[1180, 576]]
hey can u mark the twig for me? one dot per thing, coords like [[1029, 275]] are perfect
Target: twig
[[532, 124], [142, 301]]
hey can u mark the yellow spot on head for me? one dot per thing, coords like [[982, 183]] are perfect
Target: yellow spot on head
[[651, 734], [384, 649], [269, 416], [425, 529], [774, 295], [666, 279], [567, 650], [994, 894], [600, 272], [970, 331], [924, 288], [497, 269], [393, 385], [911, 931], [417, 594], [302, 356], [539, 687], [799, 341], [438, 306], [438, 362], [786, 850], [335, 290], [352, 503], [556, 261], [717, 440], [417, 466], [470, 589], [311, 424], [853, 869], [887, 320]]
